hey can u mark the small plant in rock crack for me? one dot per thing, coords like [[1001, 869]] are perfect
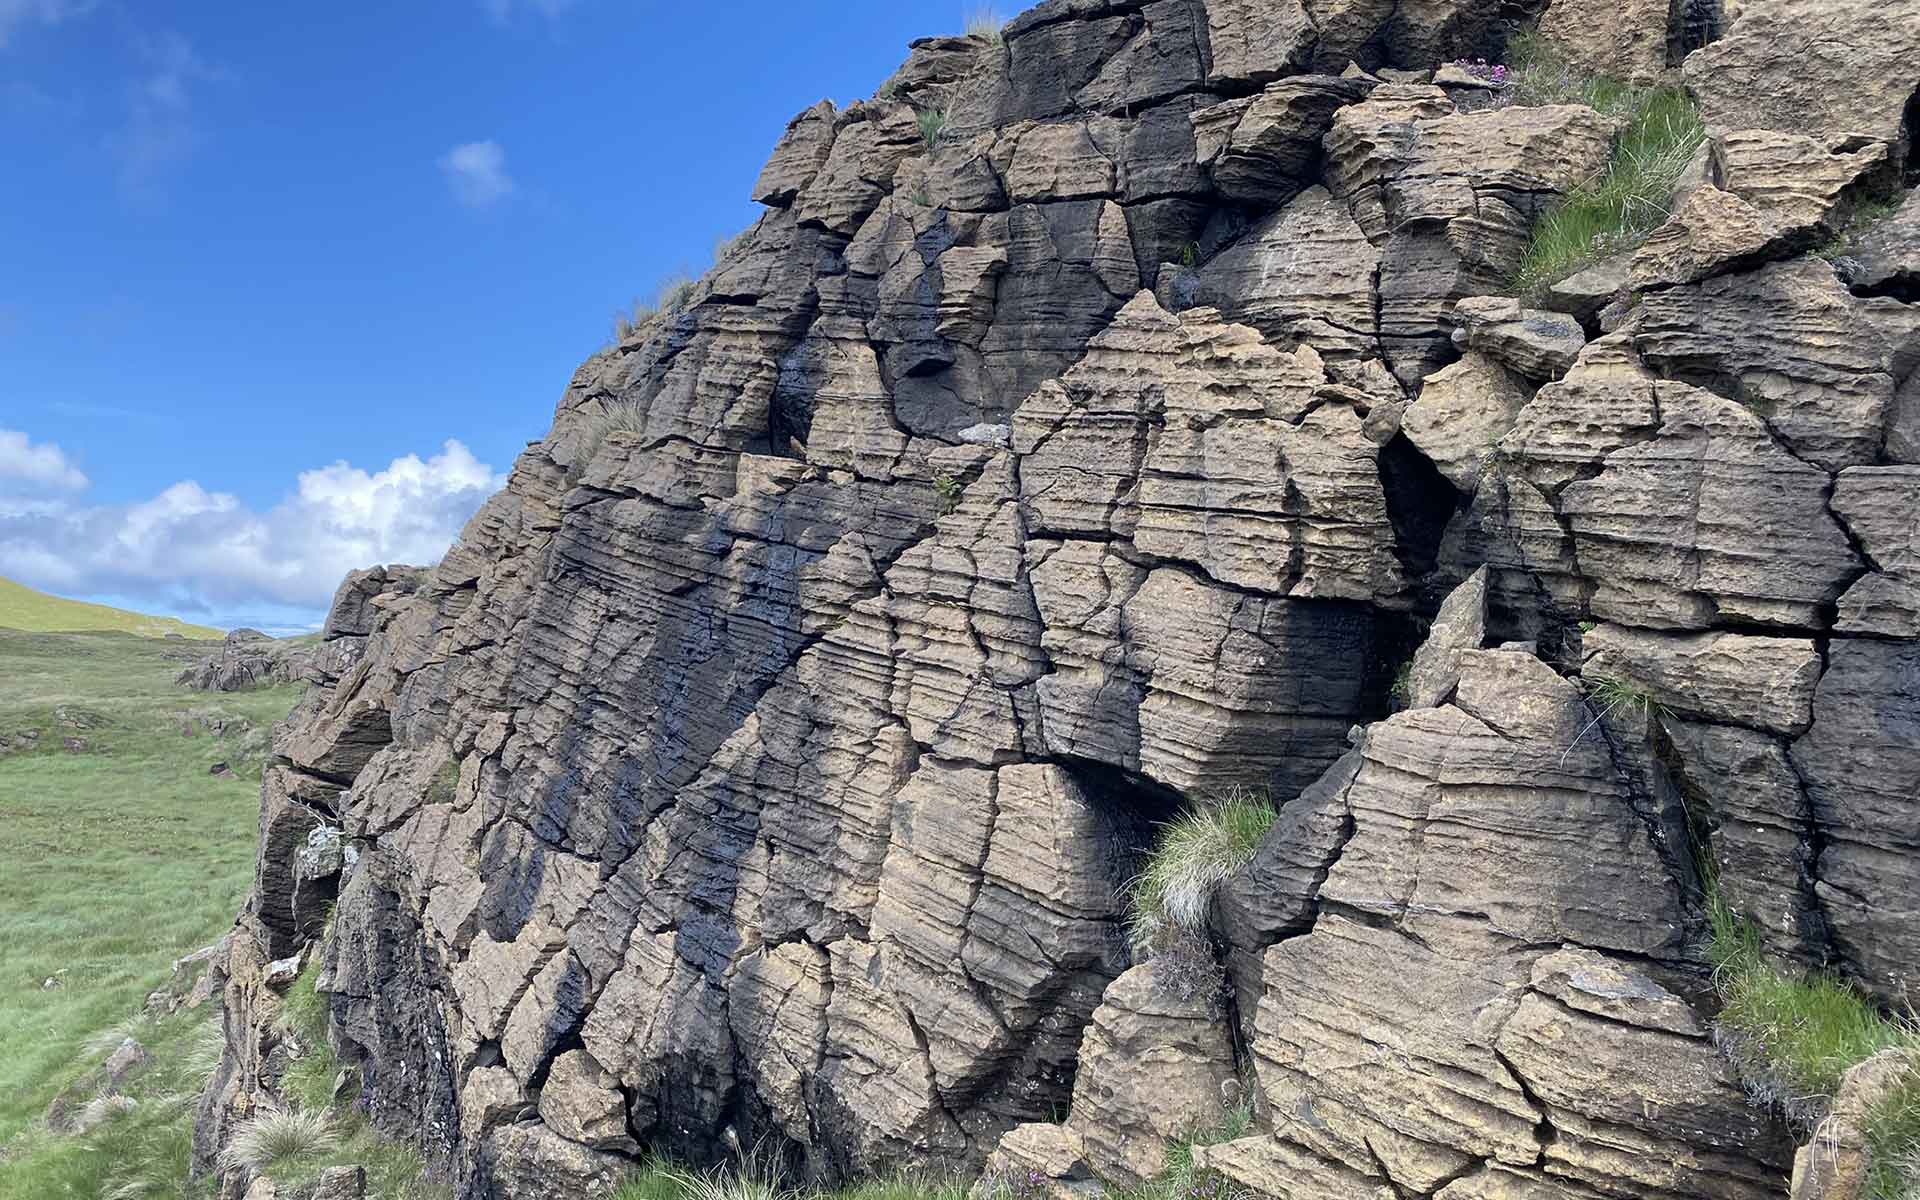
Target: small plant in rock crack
[[617, 416], [1014, 1183], [932, 121], [1621, 697], [1613, 699], [1196, 853], [949, 490], [1481, 69], [1402, 689]]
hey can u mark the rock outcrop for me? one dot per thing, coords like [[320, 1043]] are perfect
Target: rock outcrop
[[773, 772]]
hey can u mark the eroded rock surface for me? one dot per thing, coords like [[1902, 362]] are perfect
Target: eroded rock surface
[[773, 772]]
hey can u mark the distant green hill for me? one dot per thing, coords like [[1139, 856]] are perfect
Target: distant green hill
[[36, 612]]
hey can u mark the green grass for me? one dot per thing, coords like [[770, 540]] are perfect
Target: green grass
[[1794, 1034], [662, 1180], [1195, 854], [36, 612], [1620, 697], [117, 861], [141, 1154], [309, 1080], [1866, 214], [1181, 1179], [1614, 211], [932, 121]]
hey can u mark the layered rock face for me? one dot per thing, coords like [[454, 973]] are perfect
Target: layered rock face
[[772, 771]]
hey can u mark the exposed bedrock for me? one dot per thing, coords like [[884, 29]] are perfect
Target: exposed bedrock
[[772, 770]]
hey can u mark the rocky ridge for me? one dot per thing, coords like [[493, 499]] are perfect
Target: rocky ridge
[[772, 771]]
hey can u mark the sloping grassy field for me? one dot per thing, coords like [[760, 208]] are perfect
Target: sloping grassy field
[[115, 859], [36, 612]]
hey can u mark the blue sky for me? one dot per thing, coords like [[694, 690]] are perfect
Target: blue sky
[[263, 261]]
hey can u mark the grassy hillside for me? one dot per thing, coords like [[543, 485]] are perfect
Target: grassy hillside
[[122, 852], [36, 612]]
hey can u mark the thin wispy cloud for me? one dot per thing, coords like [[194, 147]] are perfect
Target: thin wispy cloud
[[502, 11], [17, 14], [190, 550], [160, 132], [477, 173]]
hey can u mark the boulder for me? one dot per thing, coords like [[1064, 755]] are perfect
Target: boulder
[[1762, 683], [1461, 414], [1265, 149], [1696, 524], [1785, 341], [1152, 1067], [1539, 345], [802, 151], [1805, 189], [1628, 42], [1837, 1161], [1833, 70], [1460, 626], [582, 1102], [1712, 233]]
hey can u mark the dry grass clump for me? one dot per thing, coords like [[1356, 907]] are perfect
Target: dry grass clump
[[669, 301], [615, 416], [984, 21], [279, 1138]]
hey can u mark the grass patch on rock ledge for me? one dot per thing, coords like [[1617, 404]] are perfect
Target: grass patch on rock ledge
[[1794, 1034], [1614, 211], [1195, 854]]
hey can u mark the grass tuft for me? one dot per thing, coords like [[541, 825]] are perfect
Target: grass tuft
[[1196, 853], [932, 121], [1795, 1034], [615, 416], [986, 22], [1181, 1178], [1620, 697], [277, 1139], [1865, 215], [670, 300], [1614, 211]]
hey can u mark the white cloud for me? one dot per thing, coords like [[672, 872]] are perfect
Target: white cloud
[[477, 172], [501, 11], [193, 552], [29, 469], [16, 13]]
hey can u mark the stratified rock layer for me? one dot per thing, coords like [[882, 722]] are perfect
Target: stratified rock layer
[[772, 772]]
